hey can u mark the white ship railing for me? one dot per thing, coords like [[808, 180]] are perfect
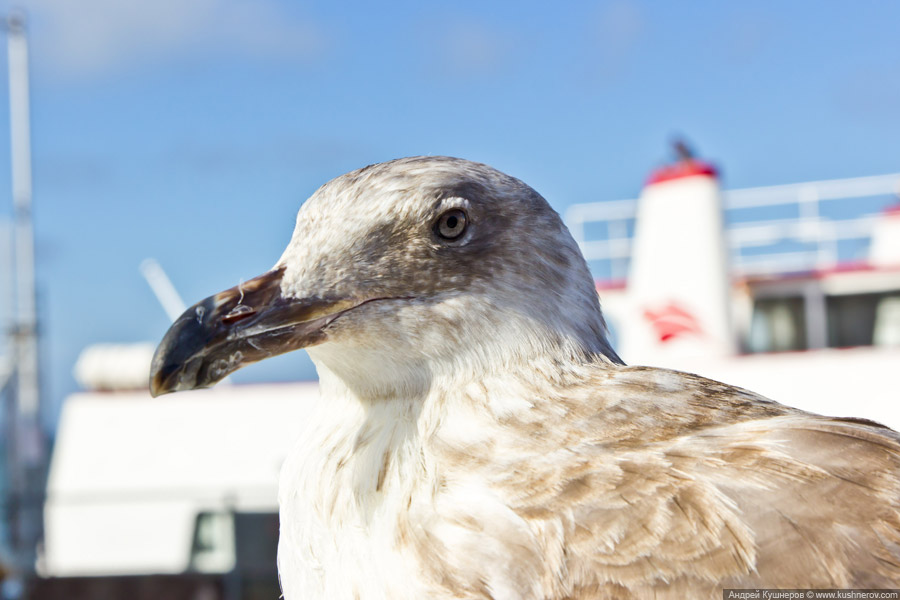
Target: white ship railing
[[774, 229]]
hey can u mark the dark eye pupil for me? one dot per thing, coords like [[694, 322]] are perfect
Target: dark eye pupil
[[451, 224]]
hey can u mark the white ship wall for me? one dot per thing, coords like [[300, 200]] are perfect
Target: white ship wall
[[130, 473]]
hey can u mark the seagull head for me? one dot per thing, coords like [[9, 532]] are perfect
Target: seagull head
[[397, 273]]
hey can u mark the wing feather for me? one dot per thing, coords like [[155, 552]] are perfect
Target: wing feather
[[686, 486]]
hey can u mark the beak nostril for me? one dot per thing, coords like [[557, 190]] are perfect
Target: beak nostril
[[239, 312]]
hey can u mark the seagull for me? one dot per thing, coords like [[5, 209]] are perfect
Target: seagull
[[477, 436]]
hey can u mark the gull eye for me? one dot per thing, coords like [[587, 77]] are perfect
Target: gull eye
[[451, 224]]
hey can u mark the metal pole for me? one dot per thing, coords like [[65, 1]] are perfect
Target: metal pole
[[27, 448], [7, 286], [27, 371]]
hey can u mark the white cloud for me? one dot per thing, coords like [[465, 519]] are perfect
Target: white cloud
[[620, 25], [94, 37], [462, 46], [615, 31], [472, 47]]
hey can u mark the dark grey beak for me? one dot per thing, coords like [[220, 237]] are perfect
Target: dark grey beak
[[239, 326]]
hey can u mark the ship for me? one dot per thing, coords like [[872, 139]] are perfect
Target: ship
[[792, 291]]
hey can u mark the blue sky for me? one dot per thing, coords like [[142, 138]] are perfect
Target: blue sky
[[192, 131]]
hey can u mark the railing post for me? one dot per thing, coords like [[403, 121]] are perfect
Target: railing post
[[618, 266]]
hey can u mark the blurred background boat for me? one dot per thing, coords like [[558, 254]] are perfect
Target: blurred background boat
[[791, 291]]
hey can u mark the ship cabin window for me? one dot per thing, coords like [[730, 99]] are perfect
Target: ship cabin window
[[792, 323], [213, 548], [778, 325], [863, 320], [243, 544]]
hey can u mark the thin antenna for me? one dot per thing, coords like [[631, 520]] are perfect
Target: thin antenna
[[163, 289], [166, 293]]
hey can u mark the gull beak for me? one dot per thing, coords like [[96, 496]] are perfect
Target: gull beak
[[239, 326]]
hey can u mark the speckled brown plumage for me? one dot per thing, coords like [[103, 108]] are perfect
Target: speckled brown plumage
[[646, 483]]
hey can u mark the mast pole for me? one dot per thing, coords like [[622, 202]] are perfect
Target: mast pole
[[26, 447]]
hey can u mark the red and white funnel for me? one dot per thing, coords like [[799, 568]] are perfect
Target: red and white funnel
[[678, 283]]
